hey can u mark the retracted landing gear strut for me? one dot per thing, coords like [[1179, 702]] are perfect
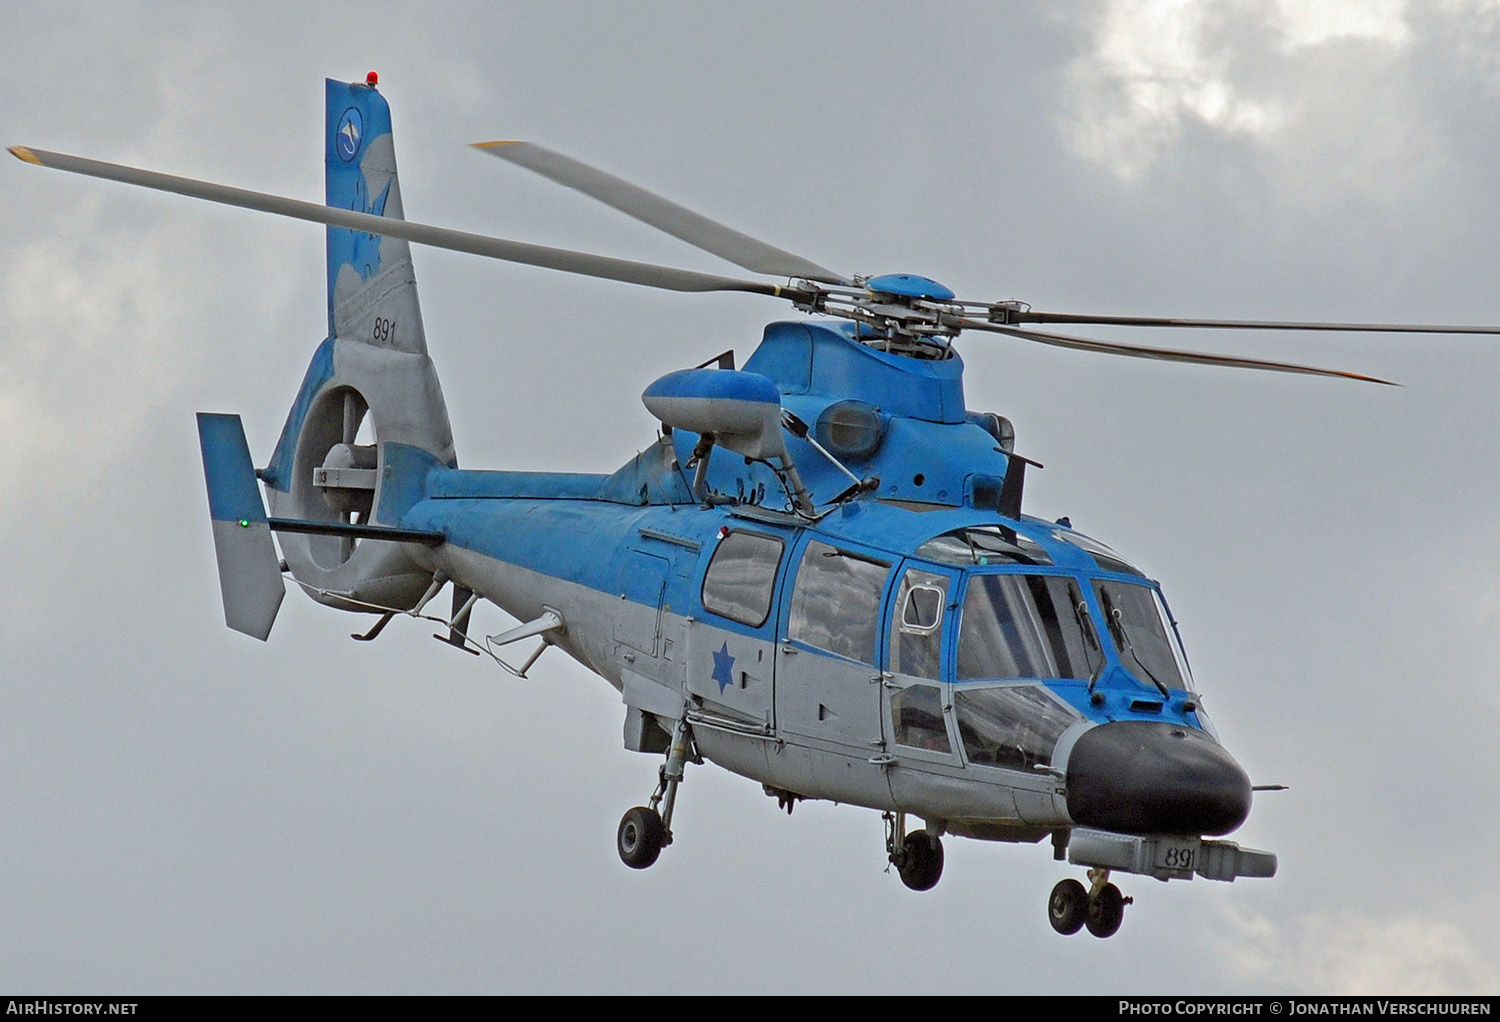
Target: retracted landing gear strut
[[646, 830]]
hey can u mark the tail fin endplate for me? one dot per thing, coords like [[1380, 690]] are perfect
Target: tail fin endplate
[[249, 574]]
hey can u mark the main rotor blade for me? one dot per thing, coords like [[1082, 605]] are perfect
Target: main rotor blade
[[1248, 324], [663, 214], [1165, 354], [587, 264]]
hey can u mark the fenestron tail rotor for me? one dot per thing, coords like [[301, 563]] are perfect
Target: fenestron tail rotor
[[903, 313]]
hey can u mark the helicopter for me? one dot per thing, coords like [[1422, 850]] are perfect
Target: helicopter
[[819, 576]]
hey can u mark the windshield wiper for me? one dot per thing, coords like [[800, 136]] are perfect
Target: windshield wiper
[[1122, 639], [1090, 641]]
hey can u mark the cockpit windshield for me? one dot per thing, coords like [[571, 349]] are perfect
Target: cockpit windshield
[[1142, 633], [1027, 626]]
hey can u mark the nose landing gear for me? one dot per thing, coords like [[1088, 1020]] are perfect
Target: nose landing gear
[[1100, 907], [1068, 907]]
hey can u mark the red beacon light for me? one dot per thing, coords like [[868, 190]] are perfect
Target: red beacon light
[[372, 79]]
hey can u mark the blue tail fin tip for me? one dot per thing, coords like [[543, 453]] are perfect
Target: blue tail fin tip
[[371, 286], [233, 492]]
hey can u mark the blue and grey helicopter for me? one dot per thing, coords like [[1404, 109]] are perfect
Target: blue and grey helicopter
[[818, 576]]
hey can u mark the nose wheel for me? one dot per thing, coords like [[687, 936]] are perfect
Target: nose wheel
[[1068, 907], [1101, 908]]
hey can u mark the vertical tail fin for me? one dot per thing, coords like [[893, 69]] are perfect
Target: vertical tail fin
[[372, 370], [372, 291]]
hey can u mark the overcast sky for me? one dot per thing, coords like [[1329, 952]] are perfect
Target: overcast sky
[[184, 809]]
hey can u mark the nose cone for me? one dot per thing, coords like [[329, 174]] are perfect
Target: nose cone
[[1145, 777]]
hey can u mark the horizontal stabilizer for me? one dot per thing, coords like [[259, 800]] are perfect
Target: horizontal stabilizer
[[249, 572], [395, 535]]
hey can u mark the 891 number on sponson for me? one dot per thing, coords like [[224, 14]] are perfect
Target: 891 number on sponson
[[1178, 856]]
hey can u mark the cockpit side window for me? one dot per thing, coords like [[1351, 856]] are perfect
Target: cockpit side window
[[741, 578], [1014, 726], [917, 625], [917, 718], [1027, 626], [1142, 633], [918, 614], [836, 602]]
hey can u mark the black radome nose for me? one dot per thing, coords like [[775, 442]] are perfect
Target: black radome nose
[[1147, 777]]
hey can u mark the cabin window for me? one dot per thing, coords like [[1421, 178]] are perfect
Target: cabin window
[[1027, 626], [917, 625], [741, 579], [1016, 726], [836, 602], [1142, 633], [917, 718]]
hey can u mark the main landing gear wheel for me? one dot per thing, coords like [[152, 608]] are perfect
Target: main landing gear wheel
[[1106, 911], [1068, 907], [920, 862], [646, 830], [640, 837]]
